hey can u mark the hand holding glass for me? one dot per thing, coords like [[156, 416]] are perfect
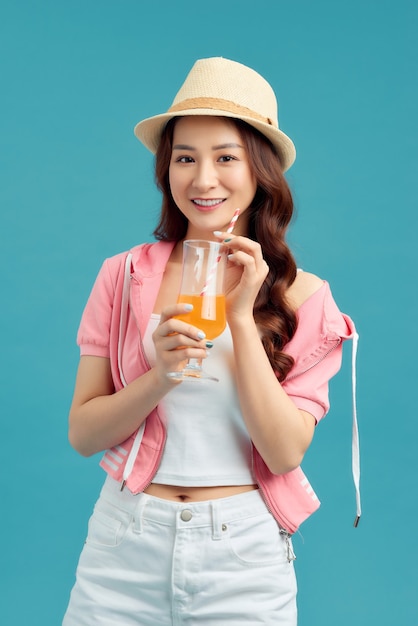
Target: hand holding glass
[[202, 285]]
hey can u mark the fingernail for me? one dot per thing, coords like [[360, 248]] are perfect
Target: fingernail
[[188, 307], [209, 344], [201, 334], [217, 233], [228, 240]]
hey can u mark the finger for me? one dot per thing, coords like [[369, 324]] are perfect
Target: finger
[[237, 242], [223, 236], [175, 341], [251, 249], [178, 358], [175, 326], [246, 245], [175, 309], [185, 353], [242, 258], [251, 265]]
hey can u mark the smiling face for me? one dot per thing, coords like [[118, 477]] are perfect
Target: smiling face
[[210, 175]]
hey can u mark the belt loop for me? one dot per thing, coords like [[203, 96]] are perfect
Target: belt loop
[[216, 521], [138, 513]]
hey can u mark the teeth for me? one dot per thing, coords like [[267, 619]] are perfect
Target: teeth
[[208, 202]]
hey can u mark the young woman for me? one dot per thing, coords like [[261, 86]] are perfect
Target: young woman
[[204, 486]]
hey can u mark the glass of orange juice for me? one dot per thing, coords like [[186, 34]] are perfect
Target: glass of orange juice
[[202, 285]]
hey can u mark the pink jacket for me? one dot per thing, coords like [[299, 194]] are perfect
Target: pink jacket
[[316, 348]]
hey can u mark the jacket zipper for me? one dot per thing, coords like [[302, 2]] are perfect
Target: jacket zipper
[[315, 363], [148, 366], [290, 554], [285, 525]]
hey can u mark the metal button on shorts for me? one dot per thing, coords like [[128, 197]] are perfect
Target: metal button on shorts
[[186, 515]]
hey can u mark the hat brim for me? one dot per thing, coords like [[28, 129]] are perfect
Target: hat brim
[[149, 131]]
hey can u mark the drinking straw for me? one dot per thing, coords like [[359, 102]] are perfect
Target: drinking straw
[[232, 222], [218, 258]]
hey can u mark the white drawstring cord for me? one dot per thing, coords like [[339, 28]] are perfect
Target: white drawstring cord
[[122, 330], [124, 314], [355, 436]]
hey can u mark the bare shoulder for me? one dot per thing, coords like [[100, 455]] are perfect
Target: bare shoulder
[[303, 287]]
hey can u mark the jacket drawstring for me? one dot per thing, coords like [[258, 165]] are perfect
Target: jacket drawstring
[[122, 330], [355, 445]]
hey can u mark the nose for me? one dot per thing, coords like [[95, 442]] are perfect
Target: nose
[[205, 176]]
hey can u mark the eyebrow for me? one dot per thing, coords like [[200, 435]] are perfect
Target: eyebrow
[[223, 146]]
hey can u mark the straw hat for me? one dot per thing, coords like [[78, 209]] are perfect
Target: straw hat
[[218, 86]]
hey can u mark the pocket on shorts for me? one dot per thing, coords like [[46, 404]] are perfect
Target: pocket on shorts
[[107, 528], [256, 541]]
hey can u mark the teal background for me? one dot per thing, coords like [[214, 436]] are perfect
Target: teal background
[[76, 187]]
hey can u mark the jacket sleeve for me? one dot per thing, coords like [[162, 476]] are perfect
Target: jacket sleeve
[[93, 335], [317, 351]]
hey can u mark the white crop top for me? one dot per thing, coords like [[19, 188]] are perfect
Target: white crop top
[[207, 441]]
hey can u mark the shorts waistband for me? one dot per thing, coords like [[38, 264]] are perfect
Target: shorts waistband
[[185, 514]]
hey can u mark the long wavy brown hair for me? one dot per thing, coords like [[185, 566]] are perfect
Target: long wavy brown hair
[[269, 216]]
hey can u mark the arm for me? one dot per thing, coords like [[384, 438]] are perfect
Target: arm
[[279, 430], [100, 418]]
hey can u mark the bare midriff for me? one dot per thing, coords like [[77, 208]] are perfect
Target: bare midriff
[[195, 494]]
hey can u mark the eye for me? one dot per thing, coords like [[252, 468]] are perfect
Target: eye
[[227, 158], [184, 159]]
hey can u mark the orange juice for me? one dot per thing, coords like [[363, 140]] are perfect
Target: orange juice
[[208, 313]]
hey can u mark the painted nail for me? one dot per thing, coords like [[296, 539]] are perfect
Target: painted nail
[[217, 233], [209, 344], [188, 307], [228, 240], [201, 334]]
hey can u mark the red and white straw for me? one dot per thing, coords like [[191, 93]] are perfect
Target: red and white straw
[[218, 258], [232, 222]]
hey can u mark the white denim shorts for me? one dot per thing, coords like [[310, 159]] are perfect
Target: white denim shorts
[[154, 562]]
